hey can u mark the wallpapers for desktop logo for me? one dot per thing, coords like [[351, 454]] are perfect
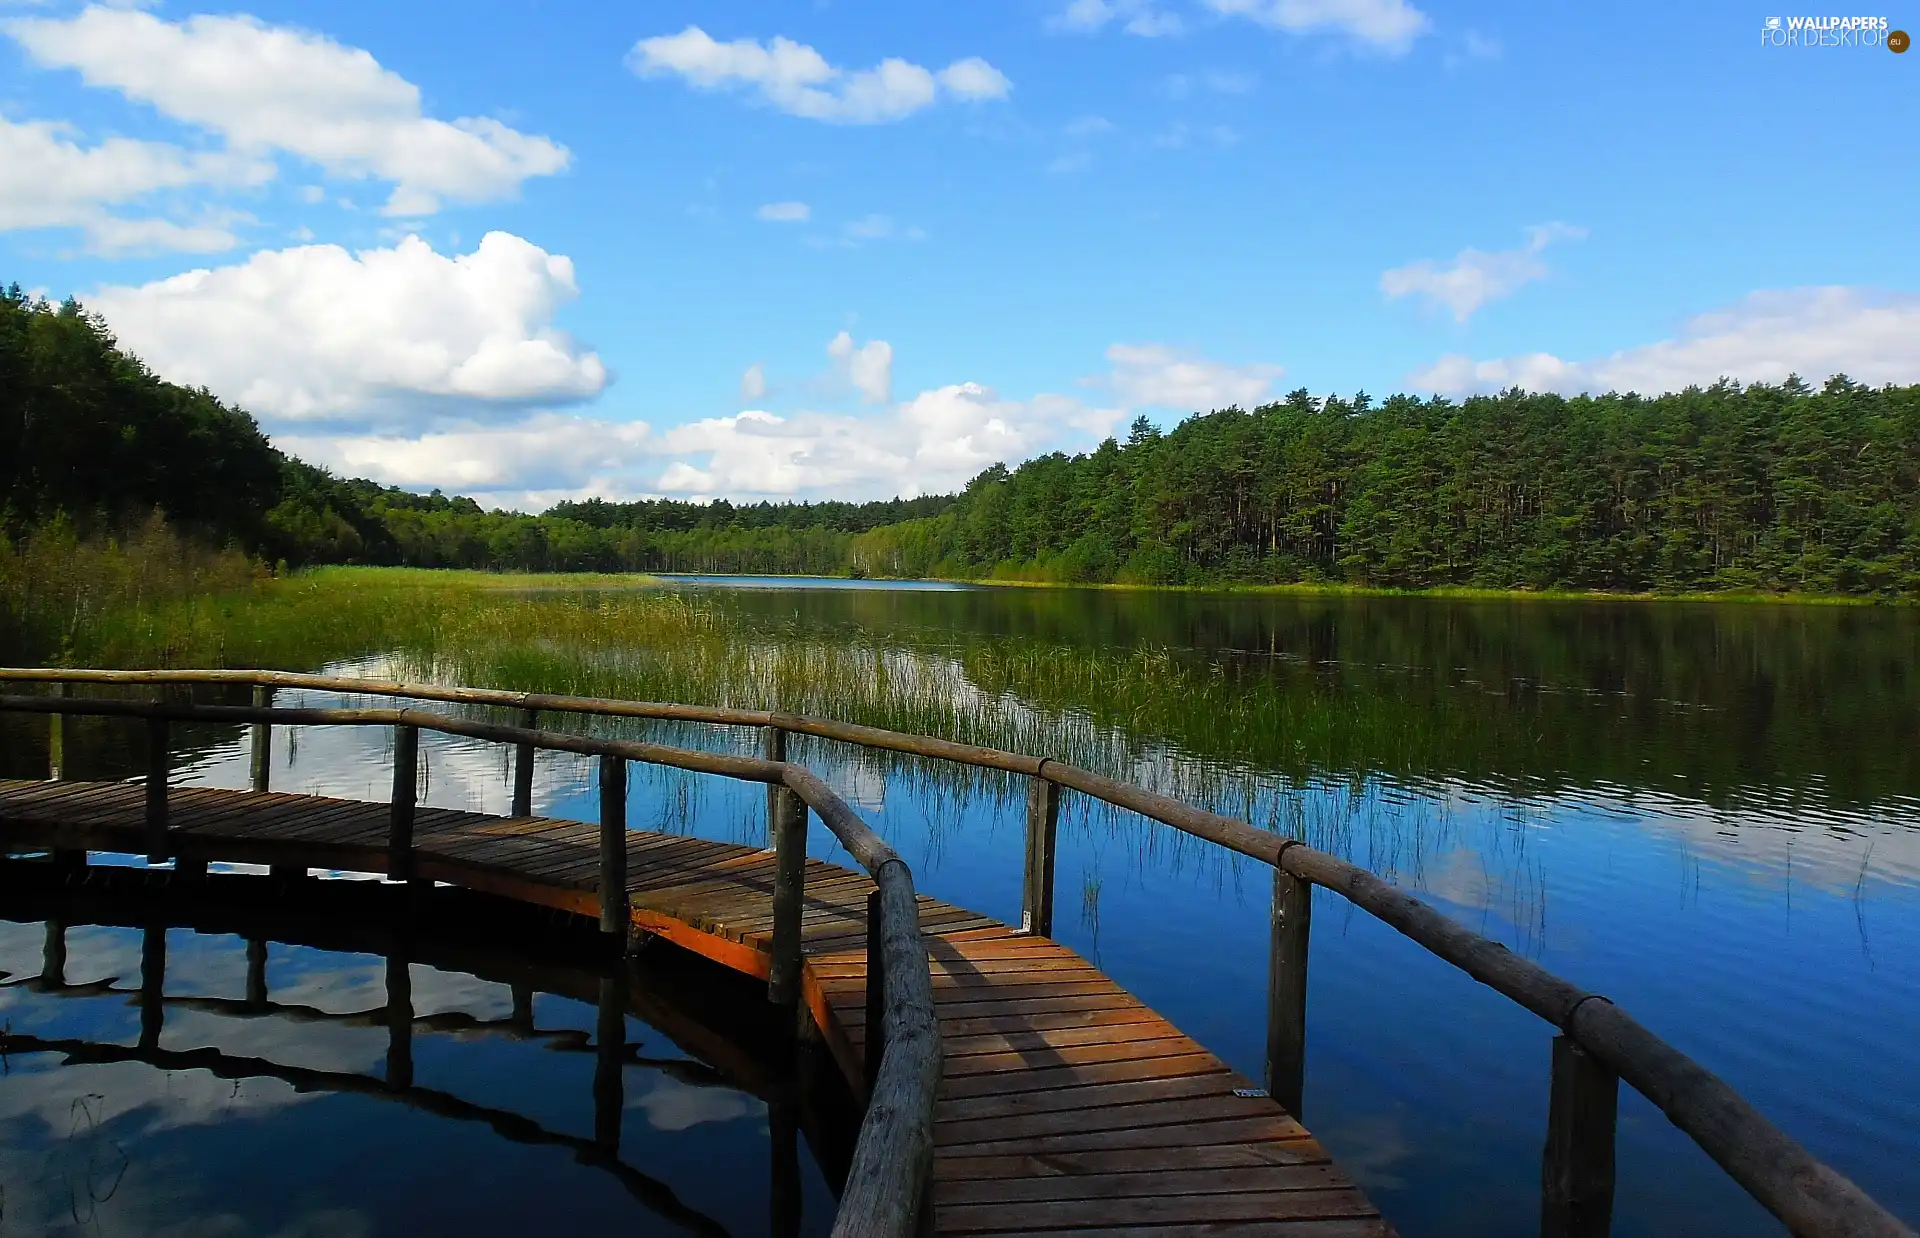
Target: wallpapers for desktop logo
[[1832, 32]]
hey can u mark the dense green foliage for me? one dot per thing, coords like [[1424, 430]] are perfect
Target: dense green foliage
[[90, 437], [1762, 488], [88, 431]]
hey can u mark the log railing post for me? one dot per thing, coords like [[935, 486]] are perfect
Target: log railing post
[[157, 757], [773, 746], [1576, 1172], [399, 1023], [406, 789], [875, 1045], [1043, 819], [1287, 989], [260, 749], [523, 768], [613, 845], [610, 1056], [57, 736], [153, 984], [788, 825]]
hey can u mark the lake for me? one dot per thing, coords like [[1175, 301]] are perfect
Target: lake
[[1706, 812]]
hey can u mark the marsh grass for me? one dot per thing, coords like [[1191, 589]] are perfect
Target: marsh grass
[[60, 589]]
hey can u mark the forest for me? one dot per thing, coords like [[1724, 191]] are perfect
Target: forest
[[1782, 488], [1764, 488]]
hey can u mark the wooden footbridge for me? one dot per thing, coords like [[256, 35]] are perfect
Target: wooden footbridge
[[1010, 1087]]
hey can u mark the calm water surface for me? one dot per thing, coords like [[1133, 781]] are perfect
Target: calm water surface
[[174, 1077], [1708, 813]]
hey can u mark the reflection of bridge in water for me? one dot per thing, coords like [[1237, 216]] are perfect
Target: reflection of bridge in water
[[733, 1043]]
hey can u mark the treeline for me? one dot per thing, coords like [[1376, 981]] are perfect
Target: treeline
[[92, 444], [1777, 488]]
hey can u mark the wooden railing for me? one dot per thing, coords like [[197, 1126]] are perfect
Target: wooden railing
[[886, 1194], [1597, 1044]]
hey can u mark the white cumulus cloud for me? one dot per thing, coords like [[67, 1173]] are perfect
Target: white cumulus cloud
[[549, 452], [785, 212], [379, 337], [266, 88], [1815, 332], [929, 444], [798, 80], [868, 366], [1389, 26], [1475, 277], [50, 180], [1160, 376]]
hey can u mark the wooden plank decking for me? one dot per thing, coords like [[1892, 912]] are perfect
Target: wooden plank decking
[[1066, 1105]]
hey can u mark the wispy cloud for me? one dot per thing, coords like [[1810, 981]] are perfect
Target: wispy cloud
[[798, 80], [1476, 277]]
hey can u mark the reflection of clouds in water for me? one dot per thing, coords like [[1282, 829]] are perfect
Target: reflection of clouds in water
[[40, 1088], [675, 1106], [1370, 1147], [859, 785], [446, 992]]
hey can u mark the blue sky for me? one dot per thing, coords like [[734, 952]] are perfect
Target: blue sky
[[1031, 220]]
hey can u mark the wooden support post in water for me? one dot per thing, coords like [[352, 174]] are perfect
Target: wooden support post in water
[[784, 1194], [1043, 820], [522, 1015], [1576, 1171], [876, 1025], [788, 826], [286, 872], [406, 783], [523, 767], [1287, 990], [57, 736], [260, 757], [773, 746], [610, 1058], [190, 867], [157, 758], [613, 845], [153, 983], [257, 973], [399, 1024], [53, 957]]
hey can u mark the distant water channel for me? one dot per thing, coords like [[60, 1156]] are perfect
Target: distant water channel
[[1709, 813]]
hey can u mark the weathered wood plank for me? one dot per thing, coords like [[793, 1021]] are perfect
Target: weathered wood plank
[[1273, 1128], [1175, 1210], [1146, 1183], [1073, 1166], [1029, 1076]]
